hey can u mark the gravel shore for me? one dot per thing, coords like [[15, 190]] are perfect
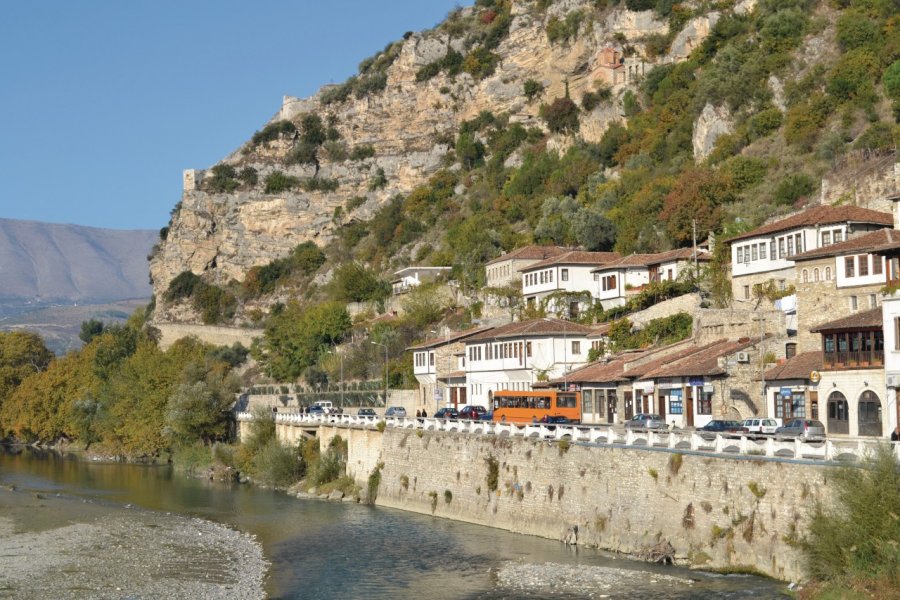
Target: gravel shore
[[588, 581], [53, 547]]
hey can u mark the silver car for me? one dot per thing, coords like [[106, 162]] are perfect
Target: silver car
[[645, 421], [805, 429], [395, 411]]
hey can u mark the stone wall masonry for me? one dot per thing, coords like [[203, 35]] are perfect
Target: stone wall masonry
[[689, 303], [219, 336], [863, 181], [737, 322], [717, 512]]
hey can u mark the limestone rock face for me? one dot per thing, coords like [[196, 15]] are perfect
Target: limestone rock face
[[410, 124], [712, 122]]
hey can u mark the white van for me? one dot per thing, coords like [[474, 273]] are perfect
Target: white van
[[761, 426], [325, 405]]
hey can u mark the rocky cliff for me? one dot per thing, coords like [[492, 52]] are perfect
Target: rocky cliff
[[388, 139]]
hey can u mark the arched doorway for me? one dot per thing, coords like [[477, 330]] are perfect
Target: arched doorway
[[869, 414], [838, 414]]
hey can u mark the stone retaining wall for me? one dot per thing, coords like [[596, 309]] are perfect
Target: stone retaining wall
[[717, 512]]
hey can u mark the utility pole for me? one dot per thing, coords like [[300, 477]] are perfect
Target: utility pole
[[694, 228]]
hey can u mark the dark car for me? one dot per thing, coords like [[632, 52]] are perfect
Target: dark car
[[366, 412], [472, 412], [488, 416], [446, 413], [721, 426], [316, 410], [556, 420]]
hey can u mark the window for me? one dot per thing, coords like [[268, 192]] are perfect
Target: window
[[551, 276], [755, 252], [854, 304], [762, 251], [816, 274], [849, 267], [528, 349], [704, 406], [877, 266], [863, 262], [564, 274], [805, 276], [799, 239], [576, 347], [790, 350], [790, 245], [772, 249], [873, 301], [746, 292], [675, 405], [826, 238], [596, 276], [838, 236], [827, 273], [896, 333], [781, 247], [740, 254], [489, 352], [431, 359]]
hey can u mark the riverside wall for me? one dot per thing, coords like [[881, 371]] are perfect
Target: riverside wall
[[718, 512]]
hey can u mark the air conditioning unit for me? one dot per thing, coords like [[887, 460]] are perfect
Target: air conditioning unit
[[743, 357], [893, 381]]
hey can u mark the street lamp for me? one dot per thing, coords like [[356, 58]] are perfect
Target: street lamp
[[385, 368]]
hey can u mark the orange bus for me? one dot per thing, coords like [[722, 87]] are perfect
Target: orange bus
[[511, 406]]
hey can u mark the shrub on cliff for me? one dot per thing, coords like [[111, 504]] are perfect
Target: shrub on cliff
[[273, 131], [853, 541], [561, 116], [277, 182]]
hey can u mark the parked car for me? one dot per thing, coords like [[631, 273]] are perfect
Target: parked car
[[316, 410], [722, 426], [556, 420], [366, 412], [446, 413], [645, 421], [395, 411], [488, 416], [472, 412], [761, 426], [325, 405], [806, 429]]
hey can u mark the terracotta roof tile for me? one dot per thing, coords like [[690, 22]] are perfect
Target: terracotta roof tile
[[576, 257], [648, 260], [866, 319], [855, 245], [639, 371], [596, 372], [448, 339], [530, 253], [821, 215], [703, 362], [797, 367], [533, 327]]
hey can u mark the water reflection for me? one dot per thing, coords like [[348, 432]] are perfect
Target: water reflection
[[330, 550]]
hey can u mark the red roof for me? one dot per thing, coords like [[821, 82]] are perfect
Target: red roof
[[821, 215], [576, 257], [702, 362], [448, 339], [856, 245], [648, 260], [530, 253], [797, 367], [533, 327], [866, 319]]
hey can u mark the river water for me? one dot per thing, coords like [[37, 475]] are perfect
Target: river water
[[332, 550]]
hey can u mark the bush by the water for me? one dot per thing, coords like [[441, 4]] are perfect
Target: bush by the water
[[854, 543]]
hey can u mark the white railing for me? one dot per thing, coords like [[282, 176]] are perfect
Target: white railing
[[831, 449]]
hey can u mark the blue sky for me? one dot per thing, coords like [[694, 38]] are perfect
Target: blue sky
[[103, 103]]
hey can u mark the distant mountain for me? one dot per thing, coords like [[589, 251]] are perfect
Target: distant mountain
[[46, 263]]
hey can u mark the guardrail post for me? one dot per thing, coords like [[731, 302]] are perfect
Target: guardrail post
[[695, 441], [743, 445], [829, 450], [798, 449], [720, 443], [770, 446]]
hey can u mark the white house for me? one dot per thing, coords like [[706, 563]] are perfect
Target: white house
[[517, 355], [436, 366], [766, 252], [505, 269], [890, 304], [410, 277], [569, 272], [627, 276]]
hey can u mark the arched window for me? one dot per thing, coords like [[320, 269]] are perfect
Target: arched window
[[805, 276], [838, 414], [827, 273], [869, 414], [816, 274]]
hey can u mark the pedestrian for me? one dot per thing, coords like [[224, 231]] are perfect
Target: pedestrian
[[424, 414], [895, 436], [672, 426], [418, 414]]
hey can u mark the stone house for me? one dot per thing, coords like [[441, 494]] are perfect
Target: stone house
[[437, 365], [792, 387], [613, 68], [767, 252], [838, 280], [518, 355], [570, 272], [504, 270], [852, 375]]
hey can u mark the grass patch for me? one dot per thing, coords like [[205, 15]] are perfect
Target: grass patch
[[675, 462]]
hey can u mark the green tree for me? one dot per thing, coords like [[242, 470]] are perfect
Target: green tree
[[200, 410], [561, 115], [89, 330], [355, 283]]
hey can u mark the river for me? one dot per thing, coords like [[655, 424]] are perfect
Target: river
[[337, 550]]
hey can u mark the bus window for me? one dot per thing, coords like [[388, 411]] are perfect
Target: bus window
[[565, 401]]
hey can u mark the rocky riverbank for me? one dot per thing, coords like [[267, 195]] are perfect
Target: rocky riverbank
[[58, 547]]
